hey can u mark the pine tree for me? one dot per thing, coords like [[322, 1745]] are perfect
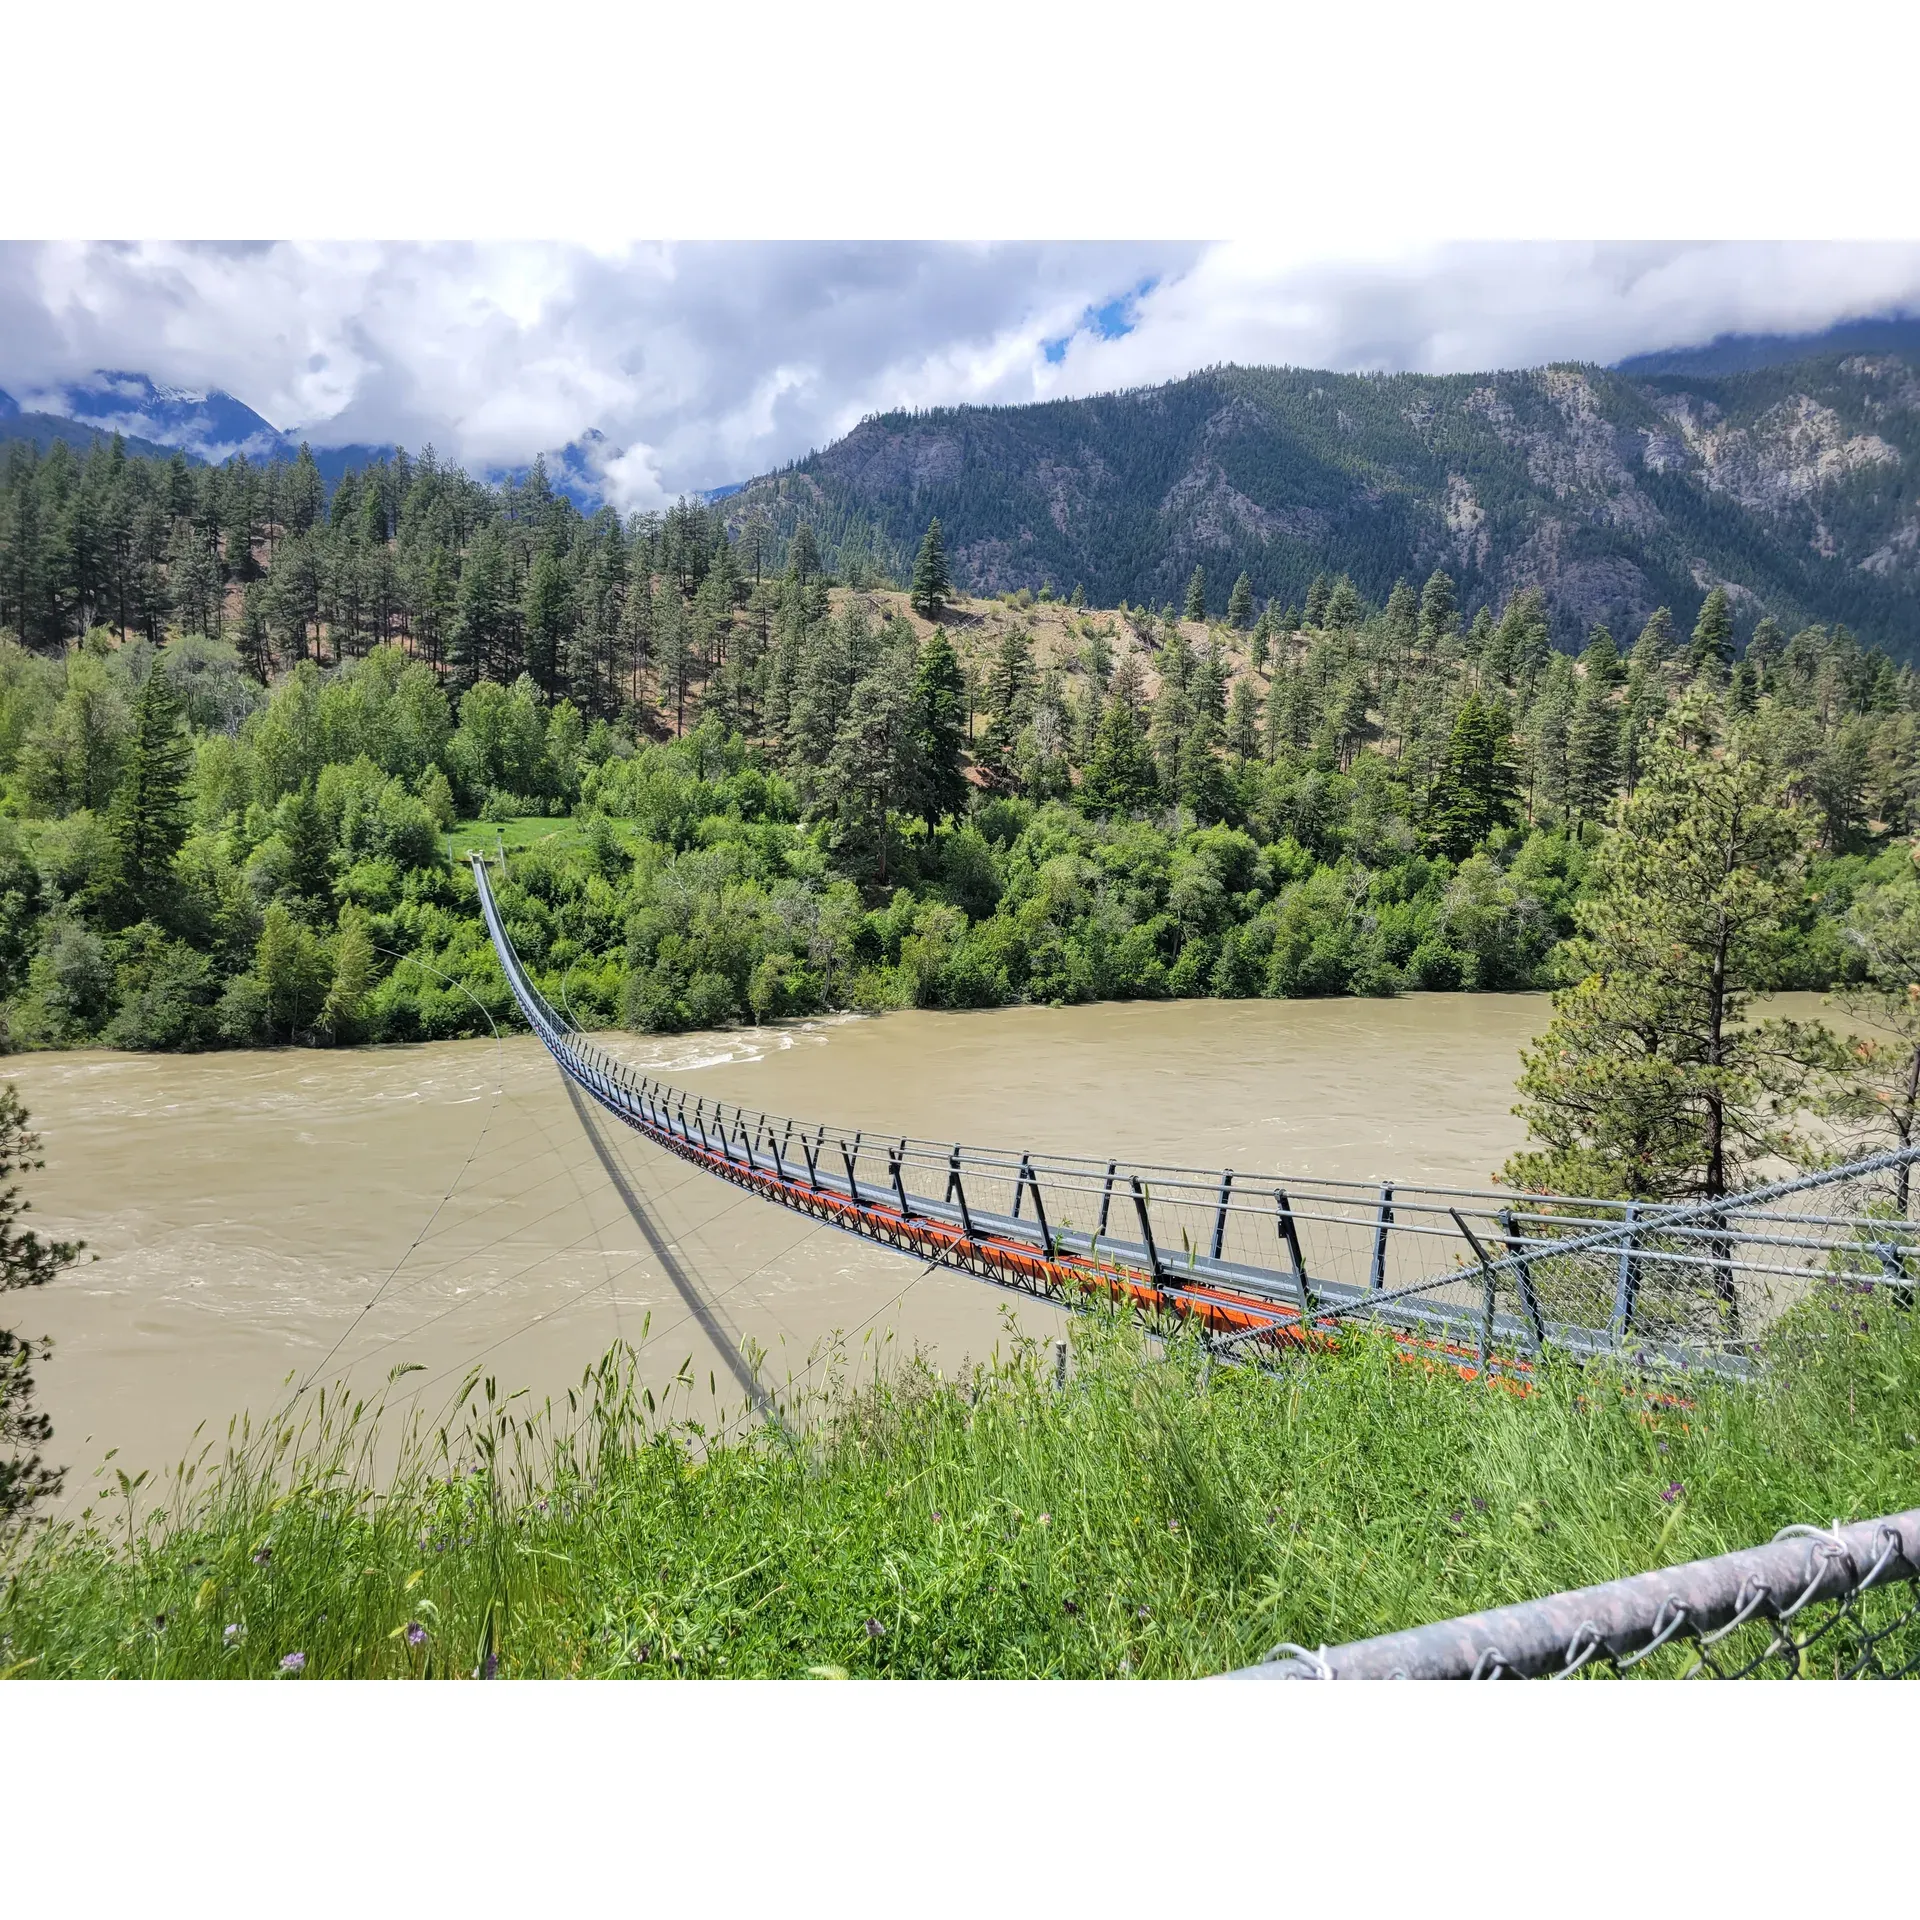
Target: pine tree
[[149, 818], [1007, 684], [1713, 634], [1602, 660], [1261, 640], [1656, 642], [1439, 609], [1475, 792], [485, 596], [875, 762], [1197, 595], [1345, 609], [1240, 604], [939, 719], [1243, 721], [931, 588], [549, 617], [1651, 1081], [803, 555], [1593, 737], [1120, 777], [1317, 594]]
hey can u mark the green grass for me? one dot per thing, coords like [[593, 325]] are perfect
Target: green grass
[[1154, 1518], [527, 830]]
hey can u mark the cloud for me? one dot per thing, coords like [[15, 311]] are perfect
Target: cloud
[[706, 363]]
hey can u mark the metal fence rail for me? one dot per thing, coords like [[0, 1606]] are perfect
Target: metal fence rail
[[1484, 1278], [1816, 1603]]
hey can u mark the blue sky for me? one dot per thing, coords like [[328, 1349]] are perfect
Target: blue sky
[[704, 363]]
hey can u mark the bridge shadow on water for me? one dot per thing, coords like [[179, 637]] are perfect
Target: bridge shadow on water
[[724, 1341]]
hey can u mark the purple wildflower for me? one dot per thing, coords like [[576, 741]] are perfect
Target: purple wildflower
[[1674, 1491], [1479, 1505], [1069, 1606], [874, 1629], [938, 1516], [1143, 1613], [1046, 1519], [416, 1634], [491, 1668], [264, 1558], [234, 1634], [1660, 1446], [293, 1663]]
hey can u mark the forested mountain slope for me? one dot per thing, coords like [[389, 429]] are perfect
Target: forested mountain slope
[[1614, 493]]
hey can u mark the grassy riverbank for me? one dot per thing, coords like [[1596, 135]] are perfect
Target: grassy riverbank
[[1151, 1519]]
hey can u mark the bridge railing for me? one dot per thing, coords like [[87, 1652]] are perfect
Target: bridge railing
[[1481, 1271]]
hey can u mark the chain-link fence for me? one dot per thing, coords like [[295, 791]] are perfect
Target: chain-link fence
[[1816, 1603]]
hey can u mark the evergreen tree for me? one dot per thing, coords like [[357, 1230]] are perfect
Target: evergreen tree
[[875, 762], [309, 853], [25, 1261], [1317, 595], [1656, 643], [939, 718], [1402, 619], [548, 617], [1261, 640], [1713, 633], [1593, 737], [1602, 660], [1439, 609], [1007, 684], [1243, 721], [931, 587], [803, 555], [149, 820], [1871, 1090], [1345, 609], [1240, 604], [1120, 777], [1197, 595], [1475, 792], [1651, 1081], [485, 597]]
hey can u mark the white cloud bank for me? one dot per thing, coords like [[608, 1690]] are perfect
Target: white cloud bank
[[707, 363]]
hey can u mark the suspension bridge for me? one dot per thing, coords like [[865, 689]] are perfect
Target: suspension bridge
[[1262, 1265]]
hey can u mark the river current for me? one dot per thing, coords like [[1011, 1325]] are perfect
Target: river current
[[264, 1220]]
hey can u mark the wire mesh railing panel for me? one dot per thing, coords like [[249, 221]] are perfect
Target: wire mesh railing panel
[[1839, 1603]]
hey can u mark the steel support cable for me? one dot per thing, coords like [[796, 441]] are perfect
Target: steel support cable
[[494, 1285], [509, 1199], [499, 1089], [527, 1226], [653, 1335]]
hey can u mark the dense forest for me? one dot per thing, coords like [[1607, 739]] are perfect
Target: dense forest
[[1613, 492], [244, 721]]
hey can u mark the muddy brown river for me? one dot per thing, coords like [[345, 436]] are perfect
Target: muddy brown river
[[263, 1218]]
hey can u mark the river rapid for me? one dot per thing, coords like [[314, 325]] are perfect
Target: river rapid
[[264, 1220]]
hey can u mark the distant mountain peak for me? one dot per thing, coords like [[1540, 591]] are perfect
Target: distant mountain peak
[[1895, 333]]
